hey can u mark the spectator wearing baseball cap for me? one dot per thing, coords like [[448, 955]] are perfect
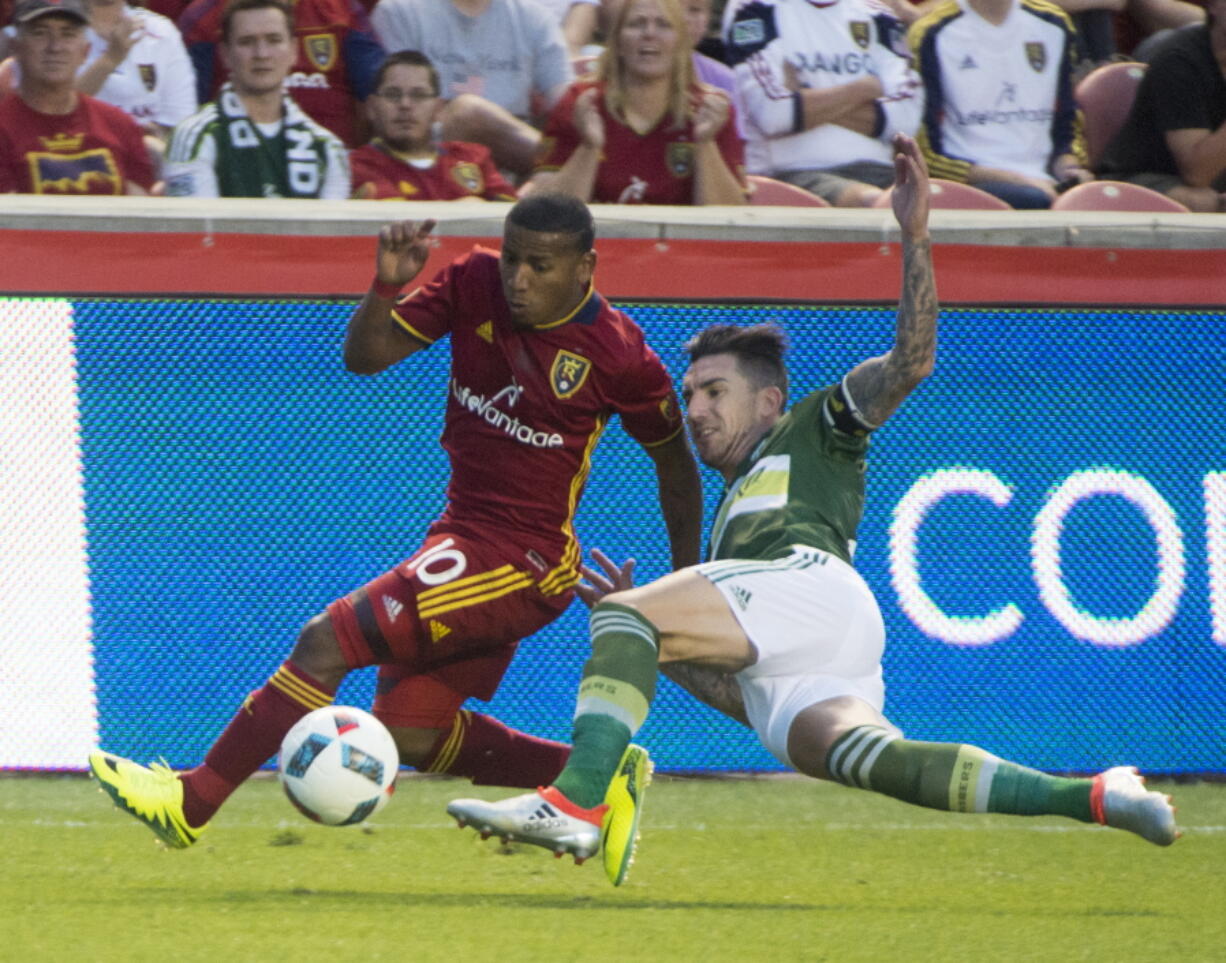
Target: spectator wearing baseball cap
[[54, 140]]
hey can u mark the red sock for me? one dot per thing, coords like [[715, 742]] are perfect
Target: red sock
[[489, 753], [253, 735]]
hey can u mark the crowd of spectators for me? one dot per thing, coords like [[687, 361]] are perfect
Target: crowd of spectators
[[616, 101]]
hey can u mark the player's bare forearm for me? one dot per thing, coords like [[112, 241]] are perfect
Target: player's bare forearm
[[878, 386], [717, 689], [881, 384], [372, 341], [915, 335], [680, 491]]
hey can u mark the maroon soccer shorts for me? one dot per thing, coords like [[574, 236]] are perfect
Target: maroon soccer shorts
[[443, 625]]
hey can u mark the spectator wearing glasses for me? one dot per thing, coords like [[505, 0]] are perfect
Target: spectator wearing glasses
[[404, 161]]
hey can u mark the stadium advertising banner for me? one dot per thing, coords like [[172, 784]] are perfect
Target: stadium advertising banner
[[186, 481]]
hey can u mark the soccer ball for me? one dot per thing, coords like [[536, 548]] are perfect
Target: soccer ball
[[338, 765]]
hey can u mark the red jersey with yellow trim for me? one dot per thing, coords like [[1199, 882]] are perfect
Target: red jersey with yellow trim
[[526, 406], [92, 150], [337, 56], [460, 170], [652, 168]]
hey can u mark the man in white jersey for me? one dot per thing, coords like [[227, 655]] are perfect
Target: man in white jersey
[[778, 630], [139, 64], [822, 88], [1000, 112], [254, 141]]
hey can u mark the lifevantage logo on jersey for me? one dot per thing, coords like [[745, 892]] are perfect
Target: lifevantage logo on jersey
[[488, 410]]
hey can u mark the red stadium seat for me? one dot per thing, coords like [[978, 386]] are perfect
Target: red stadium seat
[[950, 195], [1115, 196], [1105, 96], [772, 193]]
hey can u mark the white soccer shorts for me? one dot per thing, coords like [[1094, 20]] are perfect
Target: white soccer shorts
[[818, 632]]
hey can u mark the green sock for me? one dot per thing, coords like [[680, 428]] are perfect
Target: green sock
[[955, 778], [619, 682]]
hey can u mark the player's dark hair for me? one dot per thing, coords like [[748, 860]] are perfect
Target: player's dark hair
[[551, 212], [239, 6], [758, 349], [407, 58]]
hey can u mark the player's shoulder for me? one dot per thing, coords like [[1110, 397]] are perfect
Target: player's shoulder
[[619, 336], [476, 271]]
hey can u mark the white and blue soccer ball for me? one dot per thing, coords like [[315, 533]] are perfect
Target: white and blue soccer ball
[[338, 765]]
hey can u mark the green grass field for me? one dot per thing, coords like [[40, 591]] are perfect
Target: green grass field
[[747, 870]]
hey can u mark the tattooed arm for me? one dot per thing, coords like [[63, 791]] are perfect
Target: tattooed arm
[[717, 689], [879, 385]]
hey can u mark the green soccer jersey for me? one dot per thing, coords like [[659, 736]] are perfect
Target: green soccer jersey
[[802, 485]]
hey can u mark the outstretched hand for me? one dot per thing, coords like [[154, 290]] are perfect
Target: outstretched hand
[[613, 579], [909, 197], [403, 250]]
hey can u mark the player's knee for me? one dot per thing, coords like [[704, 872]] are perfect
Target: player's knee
[[318, 652], [815, 730]]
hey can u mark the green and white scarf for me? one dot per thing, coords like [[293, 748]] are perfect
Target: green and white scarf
[[294, 163]]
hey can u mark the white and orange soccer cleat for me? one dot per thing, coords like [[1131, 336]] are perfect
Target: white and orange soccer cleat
[[543, 818], [1119, 798]]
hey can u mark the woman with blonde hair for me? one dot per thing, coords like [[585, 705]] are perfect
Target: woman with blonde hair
[[642, 130]]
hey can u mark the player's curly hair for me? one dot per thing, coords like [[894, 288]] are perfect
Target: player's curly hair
[[552, 212], [758, 349]]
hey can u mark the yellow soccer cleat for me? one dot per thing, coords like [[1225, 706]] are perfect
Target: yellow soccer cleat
[[152, 794], [620, 832]]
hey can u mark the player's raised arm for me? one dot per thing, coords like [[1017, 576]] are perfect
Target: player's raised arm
[[879, 385], [373, 341]]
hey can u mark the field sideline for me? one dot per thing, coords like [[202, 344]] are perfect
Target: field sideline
[[739, 869]]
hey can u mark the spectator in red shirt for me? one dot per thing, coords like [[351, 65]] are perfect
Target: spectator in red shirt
[[644, 131], [404, 161], [54, 140]]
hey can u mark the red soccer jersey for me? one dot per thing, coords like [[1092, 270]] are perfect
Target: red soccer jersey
[[461, 170], [653, 168], [338, 55], [93, 150], [526, 407]]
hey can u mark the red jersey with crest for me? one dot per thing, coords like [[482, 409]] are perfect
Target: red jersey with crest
[[652, 168], [459, 170], [93, 150], [337, 56], [526, 406]]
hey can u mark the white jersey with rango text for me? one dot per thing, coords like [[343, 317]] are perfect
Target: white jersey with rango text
[[778, 46]]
